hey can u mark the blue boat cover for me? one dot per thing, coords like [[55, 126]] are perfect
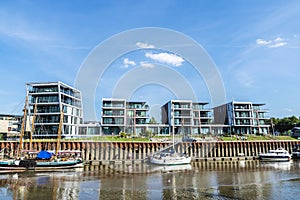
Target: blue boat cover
[[44, 155]]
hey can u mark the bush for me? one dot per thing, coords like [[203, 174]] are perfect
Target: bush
[[123, 135]]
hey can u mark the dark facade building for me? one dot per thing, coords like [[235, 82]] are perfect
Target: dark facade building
[[242, 117]]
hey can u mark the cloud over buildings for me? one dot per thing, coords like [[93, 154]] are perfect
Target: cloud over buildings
[[167, 58], [127, 63], [144, 45]]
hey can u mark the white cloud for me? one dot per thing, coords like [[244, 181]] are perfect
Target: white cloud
[[262, 42], [278, 39], [277, 42], [166, 58], [128, 62], [280, 44], [145, 45], [146, 64]]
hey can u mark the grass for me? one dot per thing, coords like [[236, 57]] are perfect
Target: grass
[[109, 139], [256, 138], [165, 138]]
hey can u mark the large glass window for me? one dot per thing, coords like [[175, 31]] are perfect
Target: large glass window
[[141, 113], [45, 99], [114, 104], [44, 89], [48, 109], [130, 113]]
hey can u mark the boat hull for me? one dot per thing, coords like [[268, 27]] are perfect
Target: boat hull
[[275, 158], [174, 161]]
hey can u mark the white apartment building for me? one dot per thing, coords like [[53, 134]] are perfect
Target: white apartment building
[[119, 115], [50, 99], [187, 117]]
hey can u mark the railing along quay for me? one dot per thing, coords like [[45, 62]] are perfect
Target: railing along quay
[[105, 153]]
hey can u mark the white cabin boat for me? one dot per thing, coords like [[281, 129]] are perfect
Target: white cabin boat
[[279, 154], [170, 158]]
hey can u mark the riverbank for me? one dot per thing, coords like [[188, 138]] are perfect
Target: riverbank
[[105, 153]]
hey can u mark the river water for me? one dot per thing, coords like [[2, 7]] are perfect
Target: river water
[[203, 180]]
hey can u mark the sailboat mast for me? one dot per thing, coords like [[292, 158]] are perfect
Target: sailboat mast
[[23, 127], [59, 132], [32, 125], [173, 140]]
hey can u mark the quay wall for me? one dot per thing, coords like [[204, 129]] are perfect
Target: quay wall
[[99, 153]]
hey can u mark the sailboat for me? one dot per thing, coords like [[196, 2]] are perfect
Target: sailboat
[[42, 160], [169, 156]]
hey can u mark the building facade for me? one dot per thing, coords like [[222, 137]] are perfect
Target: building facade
[[186, 117], [50, 99], [10, 125], [119, 115], [242, 117]]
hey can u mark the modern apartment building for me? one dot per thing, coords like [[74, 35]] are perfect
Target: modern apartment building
[[10, 125], [242, 117], [260, 119], [186, 117], [119, 115], [50, 99]]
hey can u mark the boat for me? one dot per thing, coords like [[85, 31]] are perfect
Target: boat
[[296, 152], [40, 165], [169, 156], [279, 154], [42, 160]]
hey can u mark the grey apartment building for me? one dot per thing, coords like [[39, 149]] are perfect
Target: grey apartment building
[[119, 115], [50, 99], [242, 117], [187, 117]]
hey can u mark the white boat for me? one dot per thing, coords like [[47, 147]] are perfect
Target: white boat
[[169, 156], [279, 154]]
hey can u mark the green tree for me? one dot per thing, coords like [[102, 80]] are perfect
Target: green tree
[[152, 121], [285, 124]]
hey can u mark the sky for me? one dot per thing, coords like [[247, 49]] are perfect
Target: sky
[[254, 47]]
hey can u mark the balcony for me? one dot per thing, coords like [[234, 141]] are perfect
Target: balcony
[[244, 107], [43, 90]]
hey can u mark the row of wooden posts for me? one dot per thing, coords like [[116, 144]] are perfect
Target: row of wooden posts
[[103, 152]]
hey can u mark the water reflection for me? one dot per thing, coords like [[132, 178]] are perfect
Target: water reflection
[[216, 180], [277, 165]]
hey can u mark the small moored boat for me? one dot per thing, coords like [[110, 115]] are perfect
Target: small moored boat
[[42, 160], [279, 154], [296, 152], [170, 158]]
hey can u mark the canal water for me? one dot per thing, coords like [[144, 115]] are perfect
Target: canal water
[[203, 180]]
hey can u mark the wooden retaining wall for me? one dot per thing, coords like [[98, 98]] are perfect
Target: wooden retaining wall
[[98, 153]]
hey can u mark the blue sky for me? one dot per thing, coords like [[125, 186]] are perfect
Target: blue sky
[[255, 46]]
